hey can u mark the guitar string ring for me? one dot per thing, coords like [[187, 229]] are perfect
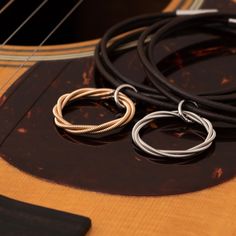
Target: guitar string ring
[[86, 93]]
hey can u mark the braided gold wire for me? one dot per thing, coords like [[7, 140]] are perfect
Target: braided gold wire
[[102, 93]]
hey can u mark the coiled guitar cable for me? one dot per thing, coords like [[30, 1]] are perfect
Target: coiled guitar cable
[[149, 30]]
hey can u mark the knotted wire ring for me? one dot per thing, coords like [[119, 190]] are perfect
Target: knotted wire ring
[[102, 93], [117, 91], [211, 134]]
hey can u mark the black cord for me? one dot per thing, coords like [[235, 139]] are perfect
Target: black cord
[[150, 30], [111, 74], [207, 107]]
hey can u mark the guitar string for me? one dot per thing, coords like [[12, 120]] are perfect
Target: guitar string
[[194, 6], [47, 37], [197, 4], [8, 4], [42, 43], [24, 22]]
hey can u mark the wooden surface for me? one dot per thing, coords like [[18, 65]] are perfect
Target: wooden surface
[[207, 212]]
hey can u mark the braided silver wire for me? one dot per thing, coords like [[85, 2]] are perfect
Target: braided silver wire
[[211, 134]]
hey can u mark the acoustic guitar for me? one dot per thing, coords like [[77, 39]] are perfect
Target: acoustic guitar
[[46, 50]]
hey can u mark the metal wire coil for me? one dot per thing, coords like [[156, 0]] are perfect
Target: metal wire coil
[[188, 117], [102, 93]]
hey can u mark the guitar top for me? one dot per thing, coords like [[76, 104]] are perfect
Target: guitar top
[[44, 55]]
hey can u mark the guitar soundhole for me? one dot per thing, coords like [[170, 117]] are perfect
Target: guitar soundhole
[[88, 22], [31, 142]]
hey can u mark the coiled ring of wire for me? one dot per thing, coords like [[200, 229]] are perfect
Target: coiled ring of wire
[[161, 93], [173, 153], [101, 93]]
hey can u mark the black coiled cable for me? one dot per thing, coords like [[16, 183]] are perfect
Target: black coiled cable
[[149, 30]]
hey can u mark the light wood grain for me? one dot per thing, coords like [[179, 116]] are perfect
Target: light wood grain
[[208, 212]]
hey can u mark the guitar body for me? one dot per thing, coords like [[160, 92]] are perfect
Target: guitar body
[[208, 209]]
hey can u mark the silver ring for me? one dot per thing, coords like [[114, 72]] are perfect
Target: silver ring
[[211, 134], [232, 20], [118, 89], [182, 113]]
